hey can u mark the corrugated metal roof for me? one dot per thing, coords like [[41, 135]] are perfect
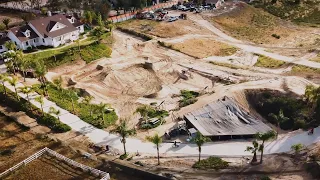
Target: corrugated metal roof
[[225, 117]]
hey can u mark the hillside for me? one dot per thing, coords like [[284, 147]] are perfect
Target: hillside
[[306, 11]]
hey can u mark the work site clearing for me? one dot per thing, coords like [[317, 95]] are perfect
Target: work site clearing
[[188, 64], [144, 72]]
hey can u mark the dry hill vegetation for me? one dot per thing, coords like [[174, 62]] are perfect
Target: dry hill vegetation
[[306, 11], [162, 29], [202, 48], [252, 24]]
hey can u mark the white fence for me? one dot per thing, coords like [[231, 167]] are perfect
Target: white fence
[[104, 175]]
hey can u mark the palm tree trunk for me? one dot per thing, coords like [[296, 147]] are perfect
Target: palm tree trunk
[[261, 157], [199, 153], [24, 76], [158, 155], [4, 88], [42, 110], [254, 159], [124, 146], [29, 100], [15, 89]]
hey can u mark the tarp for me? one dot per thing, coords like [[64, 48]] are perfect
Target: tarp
[[225, 117]]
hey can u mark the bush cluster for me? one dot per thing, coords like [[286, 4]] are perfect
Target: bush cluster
[[53, 123], [141, 35], [275, 36], [267, 102], [188, 97], [211, 163]]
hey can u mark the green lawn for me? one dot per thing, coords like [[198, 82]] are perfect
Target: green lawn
[[90, 50], [304, 69], [64, 99], [268, 62]]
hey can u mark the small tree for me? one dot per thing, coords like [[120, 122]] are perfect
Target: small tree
[[87, 100], [3, 79], [40, 100], [54, 111], [13, 82], [297, 148], [102, 108], [78, 43], [253, 149], [124, 131], [27, 90], [280, 118], [200, 140], [312, 96], [157, 140], [265, 137], [143, 111], [99, 20], [6, 22]]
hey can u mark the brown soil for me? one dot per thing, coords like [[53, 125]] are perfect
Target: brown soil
[[203, 48], [248, 23]]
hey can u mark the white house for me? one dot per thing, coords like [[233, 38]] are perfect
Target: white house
[[48, 31]]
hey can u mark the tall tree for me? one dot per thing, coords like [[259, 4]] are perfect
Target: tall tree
[[280, 118], [124, 131], [6, 22], [253, 149], [99, 20], [88, 17], [22, 63], [143, 111], [3, 79], [264, 137], [157, 140], [13, 81], [26, 90], [312, 96], [200, 140], [40, 100], [41, 71], [102, 108]]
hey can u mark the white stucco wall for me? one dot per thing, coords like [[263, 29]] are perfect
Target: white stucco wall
[[2, 49], [81, 29], [14, 39]]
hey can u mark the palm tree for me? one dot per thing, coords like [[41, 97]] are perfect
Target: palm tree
[[280, 118], [253, 149], [88, 17], [27, 90], [123, 130], [40, 71], [102, 108], [157, 140], [99, 20], [40, 100], [58, 83], [54, 111], [6, 22], [13, 82], [297, 148], [78, 43], [72, 102], [87, 100], [98, 33], [22, 63], [312, 95], [143, 111], [200, 140], [3, 79], [264, 137]]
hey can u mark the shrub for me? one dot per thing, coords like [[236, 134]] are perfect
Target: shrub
[[123, 156], [211, 163], [6, 152], [265, 178], [189, 97], [276, 36], [132, 32]]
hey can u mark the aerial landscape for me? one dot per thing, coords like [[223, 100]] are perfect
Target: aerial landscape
[[160, 89]]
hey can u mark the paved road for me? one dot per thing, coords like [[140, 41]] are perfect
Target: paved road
[[231, 148]]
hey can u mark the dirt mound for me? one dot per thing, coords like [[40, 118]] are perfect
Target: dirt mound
[[134, 80]]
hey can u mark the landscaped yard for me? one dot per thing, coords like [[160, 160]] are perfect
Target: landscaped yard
[[268, 62], [87, 50], [69, 99]]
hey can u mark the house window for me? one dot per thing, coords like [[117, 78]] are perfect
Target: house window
[[72, 20], [43, 40], [59, 38], [1, 47], [27, 43], [57, 26]]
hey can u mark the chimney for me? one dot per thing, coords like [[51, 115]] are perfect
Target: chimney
[[49, 13]]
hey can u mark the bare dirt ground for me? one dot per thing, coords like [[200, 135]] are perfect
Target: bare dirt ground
[[13, 17]]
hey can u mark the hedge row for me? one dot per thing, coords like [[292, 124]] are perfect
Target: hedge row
[[132, 32], [32, 111]]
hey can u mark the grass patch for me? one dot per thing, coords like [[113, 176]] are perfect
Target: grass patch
[[228, 65], [148, 113], [188, 97], [268, 62], [89, 51], [90, 113], [304, 69], [32, 111], [123, 156], [211, 163], [316, 59]]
